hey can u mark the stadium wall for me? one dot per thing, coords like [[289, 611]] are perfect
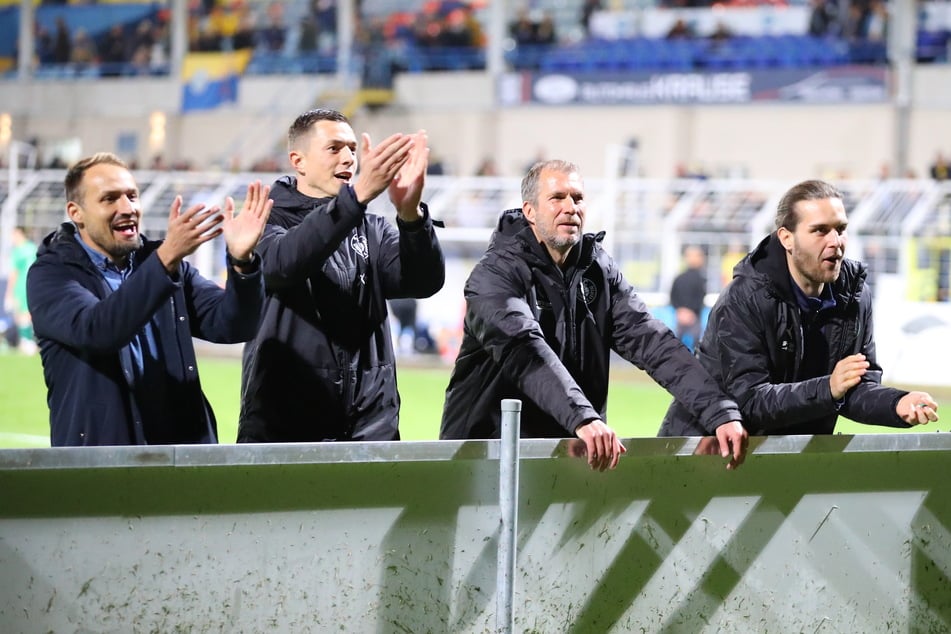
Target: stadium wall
[[458, 110], [833, 533]]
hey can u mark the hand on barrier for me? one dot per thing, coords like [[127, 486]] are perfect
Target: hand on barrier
[[601, 444], [733, 440], [917, 408]]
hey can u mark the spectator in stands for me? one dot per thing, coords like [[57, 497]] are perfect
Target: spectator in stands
[[876, 26], [940, 169], [791, 336], [545, 31], [588, 9], [487, 167], [721, 32], [84, 54], [680, 30], [273, 35], [686, 296], [115, 313], [545, 306], [322, 367], [523, 29], [114, 53], [62, 42], [824, 18], [14, 299]]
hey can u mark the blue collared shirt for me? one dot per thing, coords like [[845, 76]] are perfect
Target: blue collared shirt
[[143, 347]]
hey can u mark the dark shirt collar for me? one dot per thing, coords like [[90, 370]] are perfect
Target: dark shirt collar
[[813, 305]]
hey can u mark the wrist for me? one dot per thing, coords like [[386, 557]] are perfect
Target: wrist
[[242, 264]]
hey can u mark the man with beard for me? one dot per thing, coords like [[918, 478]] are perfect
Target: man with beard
[[545, 306], [114, 313], [322, 366], [791, 336]]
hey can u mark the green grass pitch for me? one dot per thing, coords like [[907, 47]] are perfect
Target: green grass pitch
[[636, 404]]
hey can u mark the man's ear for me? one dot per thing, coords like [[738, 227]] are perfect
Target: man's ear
[[529, 212], [296, 158], [785, 238], [75, 213]]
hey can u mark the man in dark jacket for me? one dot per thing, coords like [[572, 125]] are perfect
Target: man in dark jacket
[[545, 307], [114, 313], [686, 296], [322, 366], [791, 336]]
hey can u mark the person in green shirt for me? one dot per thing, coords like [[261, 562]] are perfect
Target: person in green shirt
[[14, 301]]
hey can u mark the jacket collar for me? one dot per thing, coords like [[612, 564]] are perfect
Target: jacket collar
[[514, 233]]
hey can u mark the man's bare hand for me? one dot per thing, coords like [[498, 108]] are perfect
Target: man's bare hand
[[406, 190], [188, 230], [379, 165], [601, 444], [733, 440], [848, 372], [917, 408], [242, 232]]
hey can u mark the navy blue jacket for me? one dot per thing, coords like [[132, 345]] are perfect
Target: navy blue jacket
[[322, 366], [544, 335], [84, 329]]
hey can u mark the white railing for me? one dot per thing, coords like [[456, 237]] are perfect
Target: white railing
[[647, 221]]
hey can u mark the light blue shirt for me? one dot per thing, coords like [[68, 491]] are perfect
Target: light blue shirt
[[143, 346]]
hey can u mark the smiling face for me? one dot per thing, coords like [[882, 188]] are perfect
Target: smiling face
[[324, 159], [107, 211], [557, 213], [816, 246]]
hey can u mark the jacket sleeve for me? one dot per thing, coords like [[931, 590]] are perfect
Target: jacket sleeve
[[290, 255], [741, 330], [870, 402], [411, 262], [649, 344], [500, 319], [224, 315], [66, 311]]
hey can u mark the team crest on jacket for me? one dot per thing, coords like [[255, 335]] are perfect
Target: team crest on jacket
[[589, 292], [360, 247]]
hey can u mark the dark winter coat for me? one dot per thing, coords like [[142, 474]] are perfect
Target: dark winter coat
[[753, 346], [322, 366], [84, 330], [545, 336]]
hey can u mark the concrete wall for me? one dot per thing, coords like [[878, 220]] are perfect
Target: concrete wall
[[831, 534], [464, 125]]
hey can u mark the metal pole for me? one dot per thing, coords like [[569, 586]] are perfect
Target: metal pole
[[508, 507]]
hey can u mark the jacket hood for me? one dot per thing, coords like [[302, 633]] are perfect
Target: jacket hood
[[512, 222], [768, 262], [65, 232], [290, 205]]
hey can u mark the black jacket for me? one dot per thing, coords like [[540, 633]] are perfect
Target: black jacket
[[84, 330], [543, 335], [322, 365], [753, 346], [688, 290]]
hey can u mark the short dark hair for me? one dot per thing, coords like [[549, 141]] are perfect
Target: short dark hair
[[786, 215], [302, 125], [74, 175], [530, 182]]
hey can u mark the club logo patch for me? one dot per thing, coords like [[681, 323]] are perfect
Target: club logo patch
[[360, 246], [589, 292]]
